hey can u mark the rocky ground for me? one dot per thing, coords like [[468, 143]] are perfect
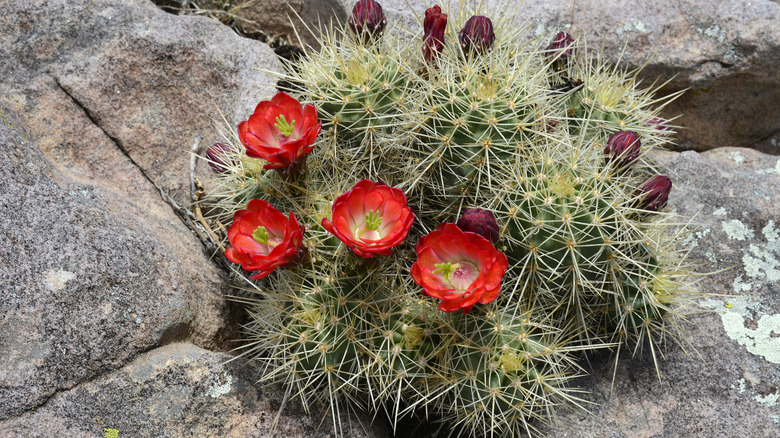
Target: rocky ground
[[113, 316]]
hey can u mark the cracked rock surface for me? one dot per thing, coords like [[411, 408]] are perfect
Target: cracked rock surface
[[113, 317], [90, 278], [149, 80], [179, 390]]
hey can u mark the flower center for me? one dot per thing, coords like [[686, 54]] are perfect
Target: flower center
[[286, 129], [373, 220], [368, 230], [458, 275], [261, 235]]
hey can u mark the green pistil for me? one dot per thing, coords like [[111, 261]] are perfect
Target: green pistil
[[285, 128], [445, 269], [373, 220], [260, 234]]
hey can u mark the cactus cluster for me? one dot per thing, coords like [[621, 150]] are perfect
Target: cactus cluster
[[539, 152]]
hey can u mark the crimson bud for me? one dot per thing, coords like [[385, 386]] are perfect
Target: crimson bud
[[433, 32], [564, 43], [622, 148], [217, 156], [477, 35], [481, 222], [367, 19], [653, 193]]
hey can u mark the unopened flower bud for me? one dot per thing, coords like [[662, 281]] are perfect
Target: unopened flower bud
[[562, 47], [658, 126], [433, 32], [622, 148], [481, 222], [477, 35], [653, 193], [218, 157], [367, 19]]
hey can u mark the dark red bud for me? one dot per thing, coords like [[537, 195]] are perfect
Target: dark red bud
[[367, 19], [622, 148], [481, 222], [477, 35], [653, 193], [219, 157], [562, 47], [658, 125], [433, 32]]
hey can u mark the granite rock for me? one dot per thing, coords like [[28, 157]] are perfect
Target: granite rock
[[151, 81], [90, 277], [294, 19], [181, 390]]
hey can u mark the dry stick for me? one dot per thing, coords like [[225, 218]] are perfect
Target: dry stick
[[199, 214], [196, 193]]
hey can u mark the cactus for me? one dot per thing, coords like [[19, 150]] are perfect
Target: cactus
[[607, 100], [477, 112], [358, 85], [542, 149], [507, 370]]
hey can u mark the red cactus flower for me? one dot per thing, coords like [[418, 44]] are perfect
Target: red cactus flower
[[562, 46], [433, 32], [653, 193], [367, 19], [280, 131], [459, 267], [477, 35], [623, 148], [263, 238], [372, 218], [481, 222]]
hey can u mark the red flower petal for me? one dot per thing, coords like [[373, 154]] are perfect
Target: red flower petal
[[285, 238], [349, 215], [262, 138], [449, 244]]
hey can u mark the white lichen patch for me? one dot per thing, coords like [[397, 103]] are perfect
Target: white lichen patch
[[770, 400], [775, 170], [716, 32], [693, 239], [740, 285], [764, 341], [56, 280], [219, 389], [736, 230], [631, 25], [737, 157], [763, 261], [720, 212], [741, 387]]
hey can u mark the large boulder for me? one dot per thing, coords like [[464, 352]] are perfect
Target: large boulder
[[152, 82], [90, 277], [181, 390], [101, 103]]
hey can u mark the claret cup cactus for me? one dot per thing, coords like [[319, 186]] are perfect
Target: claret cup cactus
[[445, 224]]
